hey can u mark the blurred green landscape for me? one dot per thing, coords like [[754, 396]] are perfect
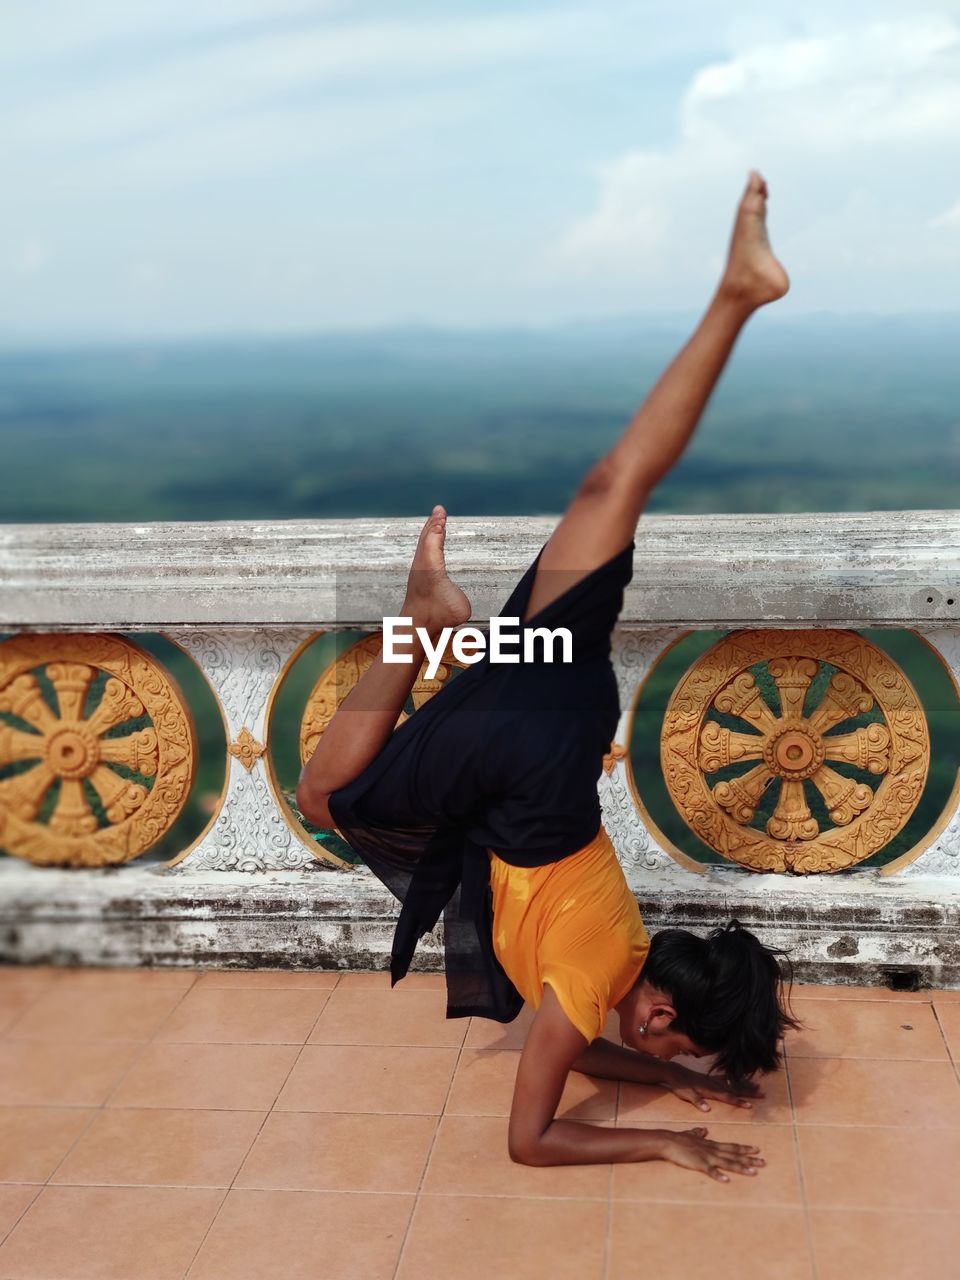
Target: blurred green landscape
[[818, 412], [814, 413]]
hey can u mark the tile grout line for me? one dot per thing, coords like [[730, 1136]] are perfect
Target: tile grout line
[[266, 1115], [609, 1233], [433, 1142], [372, 1044], [511, 1196], [807, 1228], [651, 1123], [955, 1060], [24, 1211]]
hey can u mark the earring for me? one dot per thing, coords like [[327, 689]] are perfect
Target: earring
[[643, 1029]]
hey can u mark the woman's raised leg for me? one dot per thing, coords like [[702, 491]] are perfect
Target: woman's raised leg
[[599, 522], [602, 518]]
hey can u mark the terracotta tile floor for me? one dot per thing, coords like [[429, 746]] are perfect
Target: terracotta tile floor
[[162, 1125]]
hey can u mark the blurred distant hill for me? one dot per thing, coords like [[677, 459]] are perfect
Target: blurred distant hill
[[817, 412]]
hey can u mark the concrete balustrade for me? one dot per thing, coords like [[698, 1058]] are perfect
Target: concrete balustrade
[[242, 598]]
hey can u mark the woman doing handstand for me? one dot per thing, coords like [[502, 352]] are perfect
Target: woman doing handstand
[[483, 806]]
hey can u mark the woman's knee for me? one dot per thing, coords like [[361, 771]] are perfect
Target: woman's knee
[[314, 804]]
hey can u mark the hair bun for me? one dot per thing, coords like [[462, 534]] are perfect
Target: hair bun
[[731, 940], [732, 929]]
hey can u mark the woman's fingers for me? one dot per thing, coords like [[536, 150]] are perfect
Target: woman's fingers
[[731, 1158], [720, 1093], [736, 1164], [736, 1097], [736, 1157], [689, 1093], [733, 1148], [732, 1098]]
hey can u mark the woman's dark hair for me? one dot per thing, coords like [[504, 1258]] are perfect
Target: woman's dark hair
[[728, 991]]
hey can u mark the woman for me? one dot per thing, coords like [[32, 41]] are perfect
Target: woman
[[483, 807]]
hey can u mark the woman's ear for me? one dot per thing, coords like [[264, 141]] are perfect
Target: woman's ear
[[661, 1018]]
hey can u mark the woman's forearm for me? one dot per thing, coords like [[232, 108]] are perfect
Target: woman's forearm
[[574, 1142], [611, 1061]]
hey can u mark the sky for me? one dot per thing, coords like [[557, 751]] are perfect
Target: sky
[[176, 167]]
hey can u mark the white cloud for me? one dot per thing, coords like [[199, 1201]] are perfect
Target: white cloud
[[950, 218], [263, 71], [294, 163], [853, 129], [47, 31]]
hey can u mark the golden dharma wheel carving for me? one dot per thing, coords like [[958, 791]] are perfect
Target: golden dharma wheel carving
[[788, 749], [337, 679], [100, 815]]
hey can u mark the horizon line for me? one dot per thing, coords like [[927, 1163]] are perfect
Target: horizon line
[[105, 339]]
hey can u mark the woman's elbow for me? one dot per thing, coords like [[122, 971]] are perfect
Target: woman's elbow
[[525, 1149], [520, 1153]]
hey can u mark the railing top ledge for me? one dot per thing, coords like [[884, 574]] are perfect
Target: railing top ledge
[[823, 569]]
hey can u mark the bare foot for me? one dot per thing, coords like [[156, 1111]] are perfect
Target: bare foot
[[753, 275], [432, 600]]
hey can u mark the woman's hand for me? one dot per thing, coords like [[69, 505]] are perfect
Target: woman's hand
[[696, 1087], [692, 1149]]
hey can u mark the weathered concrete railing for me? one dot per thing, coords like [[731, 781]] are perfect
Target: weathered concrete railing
[[789, 703]]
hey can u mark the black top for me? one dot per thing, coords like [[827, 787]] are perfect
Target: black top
[[504, 756]]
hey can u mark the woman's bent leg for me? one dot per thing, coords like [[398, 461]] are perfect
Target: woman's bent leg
[[369, 713], [602, 518]]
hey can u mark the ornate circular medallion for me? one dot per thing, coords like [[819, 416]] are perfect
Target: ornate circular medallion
[[77, 762], [342, 674], [754, 730]]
